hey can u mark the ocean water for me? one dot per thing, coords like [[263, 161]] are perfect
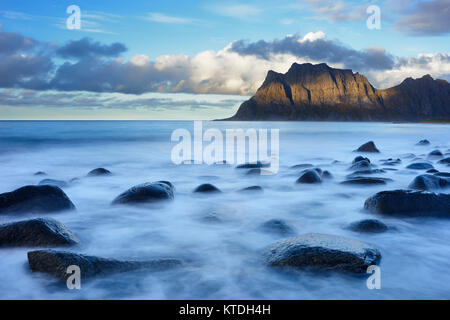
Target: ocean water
[[222, 258]]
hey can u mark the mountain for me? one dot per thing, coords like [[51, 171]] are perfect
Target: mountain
[[321, 93]]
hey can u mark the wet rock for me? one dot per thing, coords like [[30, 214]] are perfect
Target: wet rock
[[146, 193], [310, 176], [432, 171], [435, 154], [327, 175], [55, 263], [42, 199], [445, 161], [366, 180], [368, 226], [420, 166], [41, 232], [52, 182], [277, 226], [360, 158], [207, 188], [391, 162], [368, 147], [361, 165], [302, 166], [99, 172], [40, 173], [442, 174], [365, 172], [429, 182], [409, 203], [252, 189], [424, 142], [256, 165], [323, 252]]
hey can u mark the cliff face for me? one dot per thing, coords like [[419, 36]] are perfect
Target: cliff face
[[318, 92]]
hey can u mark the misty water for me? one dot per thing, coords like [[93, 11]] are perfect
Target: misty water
[[222, 256]]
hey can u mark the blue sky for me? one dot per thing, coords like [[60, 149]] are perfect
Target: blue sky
[[200, 59]]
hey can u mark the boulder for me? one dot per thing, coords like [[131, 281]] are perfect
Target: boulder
[[323, 252], [361, 165], [368, 226], [99, 172], [442, 174], [207, 188], [42, 199], [435, 154], [445, 161], [420, 166], [391, 162], [368, 147], [255, 165], [252, 189], [365, 172], [302, 166], [327, 175], [366, 180], [52, 182], [424, 142], [310, 176], [429, 182], [409, 203], [432, 171], [41, 232], [55, 263], [277, 226], [146, 193], [40, 173], [360, 158]]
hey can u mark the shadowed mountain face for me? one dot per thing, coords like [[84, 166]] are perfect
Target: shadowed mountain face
[[318, 92]]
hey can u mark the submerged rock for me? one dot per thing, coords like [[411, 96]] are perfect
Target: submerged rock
[[99, 172], [324, 252], [435, 154], [41, 199], [445, 161], [369, 226], [55, 263], [302, 166], [52, 182], [146, 193], [40, 173], [365, 172], [310, 176], [432, 171], [366, 180], [255, 165], [420, 166], [277, 226], [442, 174], [391, 162], [360, 158], [361, 165], [207, 188], [327, 175], [424, 142], [429, 182], [41, 232], [409, 203], [368, 147], [252, 189]]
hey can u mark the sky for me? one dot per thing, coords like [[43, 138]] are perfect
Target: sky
[[185, 60]]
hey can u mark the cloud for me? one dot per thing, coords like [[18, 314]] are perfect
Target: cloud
[[316, 46], [239, 11], [13, 42], [163, 18], [337, 10], [87, 47], [425, 18]]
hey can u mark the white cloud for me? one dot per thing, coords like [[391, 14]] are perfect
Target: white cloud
[[313, 36], [163, 18], [140, 60], [240, 11]]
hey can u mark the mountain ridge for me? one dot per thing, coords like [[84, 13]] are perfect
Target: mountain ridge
[[308, 92]]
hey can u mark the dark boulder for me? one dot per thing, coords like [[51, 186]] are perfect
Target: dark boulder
[[424, 142], [360, 158], [255, 165], [435, 154], [368, 226], [361, 165], [359, 173], [302, 166], [409, 203], [99, 172], [368, 147], [445, 161], [432, 171], [40, 173], [52, 182], [366, 180], [310, 176], [327, 175], [55, 263], [146, 193], [252, 189], [429, 182], [41, 232], [323, 252], [207, 188], [35, 199], [442, 174], [420, 166], [277, 226], [391, 162]]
